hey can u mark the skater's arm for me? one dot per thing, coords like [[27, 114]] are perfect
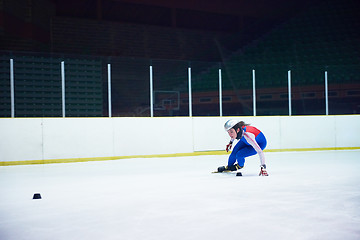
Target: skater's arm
[[250, 138], [229, 145]]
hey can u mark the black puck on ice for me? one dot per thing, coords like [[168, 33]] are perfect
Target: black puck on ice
[[239, 174], [37, 196]]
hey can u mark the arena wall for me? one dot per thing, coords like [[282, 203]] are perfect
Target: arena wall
[[42, 140]]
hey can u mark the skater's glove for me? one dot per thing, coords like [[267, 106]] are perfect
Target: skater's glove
[[228, 147], [263, 171]]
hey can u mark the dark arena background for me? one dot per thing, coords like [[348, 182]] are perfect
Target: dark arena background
[[112, 116], [179, 58]]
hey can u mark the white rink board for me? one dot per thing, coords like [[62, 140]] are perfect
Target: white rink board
[[62, 138], [307, 132], [146, 136], [347, 131], [77, 138], [21, 139]]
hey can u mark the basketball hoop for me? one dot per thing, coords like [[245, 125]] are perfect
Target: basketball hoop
[[168, 107], [167, 100]]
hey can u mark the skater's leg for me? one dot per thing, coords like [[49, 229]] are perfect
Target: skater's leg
[[233, 156], [243, 153]]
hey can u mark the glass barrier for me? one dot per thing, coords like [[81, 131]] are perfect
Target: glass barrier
[[237, 95], [5, 89], [130, 87], [44, 87], [170, 88], [205, 88], [344, 89], [308, 90], [272, 95]]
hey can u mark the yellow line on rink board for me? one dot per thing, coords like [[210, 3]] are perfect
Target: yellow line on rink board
[[199, 153]]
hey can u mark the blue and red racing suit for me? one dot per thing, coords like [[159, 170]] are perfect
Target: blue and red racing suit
[[252, 142]]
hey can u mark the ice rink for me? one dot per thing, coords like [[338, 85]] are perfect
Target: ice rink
[[307, 195]]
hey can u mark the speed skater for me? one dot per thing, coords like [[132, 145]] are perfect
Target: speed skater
[[251, 141]]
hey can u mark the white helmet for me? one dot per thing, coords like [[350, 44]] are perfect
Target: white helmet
[[230, 124]]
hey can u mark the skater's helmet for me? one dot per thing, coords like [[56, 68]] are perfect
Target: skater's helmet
[[230, 124]]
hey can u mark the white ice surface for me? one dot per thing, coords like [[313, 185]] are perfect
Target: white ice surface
[[307, 195]]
